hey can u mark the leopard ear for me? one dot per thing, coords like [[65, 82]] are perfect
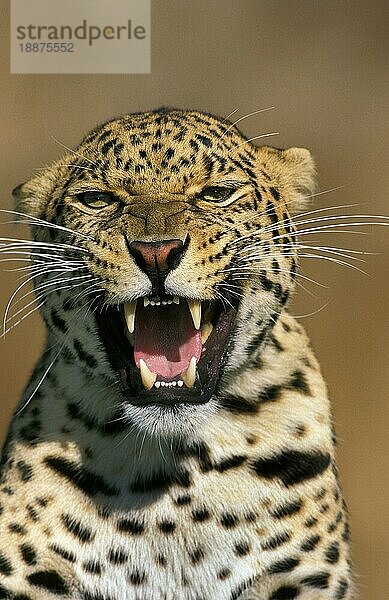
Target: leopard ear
[[294, 170], [31, 196], [22, 197]]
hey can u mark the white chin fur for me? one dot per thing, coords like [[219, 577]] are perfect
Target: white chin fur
[[181, 420]]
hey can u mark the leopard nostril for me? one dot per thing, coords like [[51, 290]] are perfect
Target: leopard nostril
[[157, 258]]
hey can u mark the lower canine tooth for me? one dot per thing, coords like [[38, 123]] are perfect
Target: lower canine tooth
[[189, 376], [206, 331], [148, 377]]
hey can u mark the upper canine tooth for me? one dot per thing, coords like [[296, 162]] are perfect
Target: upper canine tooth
[[129, 314], [189, 376], [146, 301], [195, 311], [148, 377], [176, 300]]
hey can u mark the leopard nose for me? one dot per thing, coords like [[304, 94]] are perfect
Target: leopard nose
[[157, 258]]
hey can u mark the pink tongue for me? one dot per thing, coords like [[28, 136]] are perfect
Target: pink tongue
[[165, 338]]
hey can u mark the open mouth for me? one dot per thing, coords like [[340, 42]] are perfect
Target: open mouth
[[169, 350]]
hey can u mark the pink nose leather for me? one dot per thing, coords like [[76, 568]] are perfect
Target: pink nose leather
[[156, 255]]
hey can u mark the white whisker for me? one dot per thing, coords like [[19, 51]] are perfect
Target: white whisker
[[4, 333], [9, 303], [338, 217], [55, 281], [334, 189], [315, 312], [92, 289], [332, 228], [250, 270], [23, 284], [30, 220], [79, 167], [73, 151], [231, 113], [39, 296], [275, 226], [223, 299], [336, 261], [39, 382], [257, 137], [255, 112], [247, 254], [35, 221], [326, 208]]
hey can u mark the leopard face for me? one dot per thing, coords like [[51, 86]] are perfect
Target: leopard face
[[183, 250]]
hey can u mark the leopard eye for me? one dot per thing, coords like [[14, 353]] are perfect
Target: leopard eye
[[215, 193], [96, 199]]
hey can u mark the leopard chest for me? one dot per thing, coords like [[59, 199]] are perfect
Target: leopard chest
[[172, 550]]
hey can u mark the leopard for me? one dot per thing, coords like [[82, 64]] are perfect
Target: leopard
[[175, 440]]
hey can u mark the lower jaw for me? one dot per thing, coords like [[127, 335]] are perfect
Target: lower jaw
[[208, 372]]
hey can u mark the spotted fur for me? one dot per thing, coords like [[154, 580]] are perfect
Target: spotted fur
[[237, 498]]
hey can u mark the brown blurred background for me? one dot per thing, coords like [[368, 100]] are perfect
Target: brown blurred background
[[324, 66]]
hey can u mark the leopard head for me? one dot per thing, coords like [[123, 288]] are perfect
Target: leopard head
[[175, 236]]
